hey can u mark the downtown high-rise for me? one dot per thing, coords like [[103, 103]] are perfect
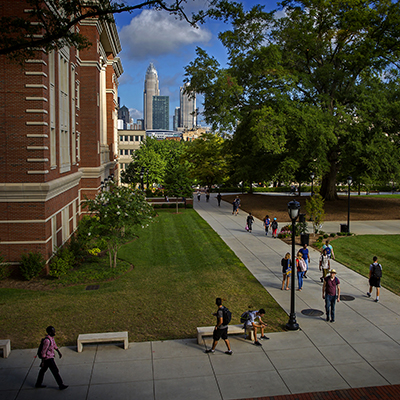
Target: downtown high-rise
[[151, 89]]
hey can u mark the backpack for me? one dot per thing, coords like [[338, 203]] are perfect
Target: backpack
[[377, 271], [245, 317], [274, 225], [40, 348], [283, 262], [226, 316]]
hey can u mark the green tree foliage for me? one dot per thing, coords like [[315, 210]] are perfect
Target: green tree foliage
[[32, 264], [153, 155], [207, 160], [313, 88], [117, 213], [315, 209], [51, 24], [177, 182]]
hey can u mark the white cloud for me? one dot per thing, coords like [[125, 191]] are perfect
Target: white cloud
[[135, 114], [153, 33]]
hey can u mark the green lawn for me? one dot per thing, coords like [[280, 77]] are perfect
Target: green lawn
[[180, 266], [356, 252]]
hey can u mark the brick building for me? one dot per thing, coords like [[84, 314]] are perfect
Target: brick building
[[58, 130]]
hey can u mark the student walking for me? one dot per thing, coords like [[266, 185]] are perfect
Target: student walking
[[274, 227], [329, 250], [267, 223], [331, 294], [47, 355], [221, 328], [301, 268], [306, 257], [219, 197], [249, 222], [324, 264], [286, 270], [375, 275]]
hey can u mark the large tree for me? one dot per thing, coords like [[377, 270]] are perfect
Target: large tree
[[307, 77]]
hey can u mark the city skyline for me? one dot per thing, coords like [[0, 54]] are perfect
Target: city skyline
[[170, 45]]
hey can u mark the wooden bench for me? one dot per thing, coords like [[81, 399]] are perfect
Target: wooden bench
[[6, 346], [102, 338], [232, 330]]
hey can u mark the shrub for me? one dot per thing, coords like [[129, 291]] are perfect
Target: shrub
[[31, 265], [62, 262], [326, 235], [332, 235]]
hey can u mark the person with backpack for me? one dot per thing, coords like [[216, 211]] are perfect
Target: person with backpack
[[329, 250], [221, 328], [249, 222], [267, 223], [274, 227], [331, 294], [251, 324], [46, 354], [219, 197], [375, 275], [324, 264], [301, 269], [306, 257], [286, 270]]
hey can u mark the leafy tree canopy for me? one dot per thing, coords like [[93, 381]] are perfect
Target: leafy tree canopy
[[313, 83]]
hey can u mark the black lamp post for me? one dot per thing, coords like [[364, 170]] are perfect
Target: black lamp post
[[349, 180], [147, 178], [293, 210], [312, 176], [141, 177]]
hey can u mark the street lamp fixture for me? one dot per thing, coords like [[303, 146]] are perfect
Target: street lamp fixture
[[349, 180], [293, 210]]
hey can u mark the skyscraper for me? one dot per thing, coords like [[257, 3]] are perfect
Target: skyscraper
[[176, 119], [188, 119], [151, 88], [161, 112]]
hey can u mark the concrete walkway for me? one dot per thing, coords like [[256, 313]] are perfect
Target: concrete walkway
[[361, 349]]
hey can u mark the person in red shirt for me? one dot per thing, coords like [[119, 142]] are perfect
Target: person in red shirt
[[47, 354]]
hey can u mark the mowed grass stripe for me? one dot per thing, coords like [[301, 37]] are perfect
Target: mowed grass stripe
[[357, 252]]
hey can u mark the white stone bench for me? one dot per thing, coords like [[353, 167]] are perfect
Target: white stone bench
[[232, 329], [102, 338], [6, 346]]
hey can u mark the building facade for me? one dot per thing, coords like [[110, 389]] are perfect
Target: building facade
[[128, 142], [151, 88], [58, 129], [188, 112], [161, 112]]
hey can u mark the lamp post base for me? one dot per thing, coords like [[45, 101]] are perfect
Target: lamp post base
[[292, 325]]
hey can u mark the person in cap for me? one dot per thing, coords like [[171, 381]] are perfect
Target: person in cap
[[274, 227], [331, 294], [47, 355]]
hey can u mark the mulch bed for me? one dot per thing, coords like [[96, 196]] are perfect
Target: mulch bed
[[362, 208]]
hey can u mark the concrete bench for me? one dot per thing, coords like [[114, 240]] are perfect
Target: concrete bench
[[102, 338], [232, 329], [6, 346]]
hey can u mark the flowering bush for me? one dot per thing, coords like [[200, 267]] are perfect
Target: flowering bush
[[94, 252], [117, 211], [286, 231]]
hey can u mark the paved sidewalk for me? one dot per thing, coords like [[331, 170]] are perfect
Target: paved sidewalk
[[362, 349]]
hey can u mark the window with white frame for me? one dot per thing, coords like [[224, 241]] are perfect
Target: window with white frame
[[64, 114], [52, 108]]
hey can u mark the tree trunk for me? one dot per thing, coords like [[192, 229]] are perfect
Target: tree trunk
[[328, 186], [176, 199]]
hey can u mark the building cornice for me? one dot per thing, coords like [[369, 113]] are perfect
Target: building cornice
[[37, 192]]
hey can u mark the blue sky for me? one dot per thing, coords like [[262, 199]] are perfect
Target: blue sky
[[155, 36]]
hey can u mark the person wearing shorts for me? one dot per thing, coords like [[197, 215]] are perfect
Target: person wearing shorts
[[375, 273], [220, 330]]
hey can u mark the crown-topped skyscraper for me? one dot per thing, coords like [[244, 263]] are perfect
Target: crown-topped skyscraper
[[151, 88]]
